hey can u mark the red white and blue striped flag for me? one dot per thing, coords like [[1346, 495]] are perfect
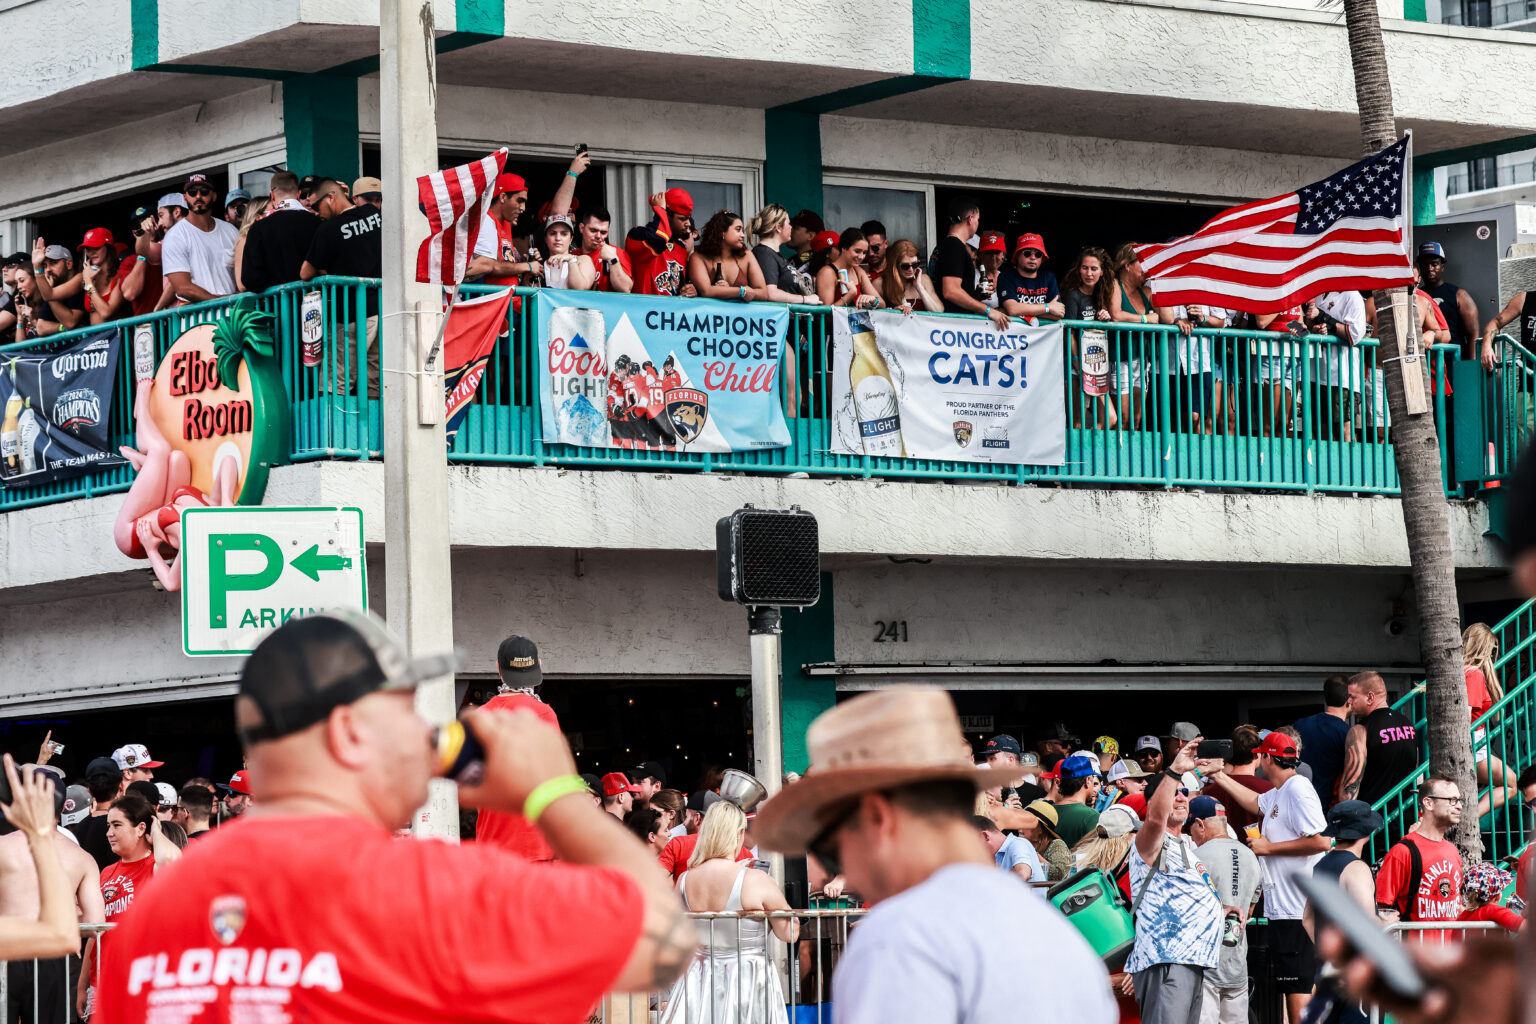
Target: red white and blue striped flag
[[1348, 231], [454, 201]]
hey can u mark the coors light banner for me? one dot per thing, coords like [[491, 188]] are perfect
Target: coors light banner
[[57, 405], [660, 374]]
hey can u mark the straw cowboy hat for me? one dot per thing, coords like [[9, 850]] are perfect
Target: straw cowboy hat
[[875, 741]]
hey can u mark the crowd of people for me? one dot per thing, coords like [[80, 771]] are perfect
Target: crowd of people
[[189, 249], [1201, 836]]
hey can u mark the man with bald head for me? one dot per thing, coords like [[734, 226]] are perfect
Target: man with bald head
[[1381, 748], [313, 901]]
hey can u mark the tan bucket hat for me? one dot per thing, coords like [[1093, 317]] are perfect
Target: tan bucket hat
[[875, 741]]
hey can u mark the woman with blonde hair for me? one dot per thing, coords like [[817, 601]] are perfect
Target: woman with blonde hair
[[786, 282], [1107, 846], [1479, 652], [254, 211], [732, 980]]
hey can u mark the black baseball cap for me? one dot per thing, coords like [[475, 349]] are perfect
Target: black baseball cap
[[517, 659], [703, 800], [309, 666], [648, 770], [594, 783], [146, 790], [1002, 743], [103, 767], [1350, 820]]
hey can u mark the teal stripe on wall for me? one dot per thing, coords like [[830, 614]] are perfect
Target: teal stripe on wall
[[484, 17], [941, 38], [144, 23]]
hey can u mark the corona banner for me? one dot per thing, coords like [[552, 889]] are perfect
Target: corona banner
[[657, 373], [210, 422], [57, 410], [931, 387]]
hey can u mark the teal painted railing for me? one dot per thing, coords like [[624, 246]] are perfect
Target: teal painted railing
[[1167, 432], [1507, 732]]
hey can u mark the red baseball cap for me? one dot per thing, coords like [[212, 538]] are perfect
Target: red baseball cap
[[1277, 744], [679, 201], [992, 241], [823, 240], [510, 183], [615, 783], [1030, 242], [240, 782], [96, 237]]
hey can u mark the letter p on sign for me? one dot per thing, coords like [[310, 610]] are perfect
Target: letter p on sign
[[248, 570]]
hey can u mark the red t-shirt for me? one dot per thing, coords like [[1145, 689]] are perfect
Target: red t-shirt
[[149, 291], [506, 252], [322, 919], [1478, 697], [502, 828], [1238, 818], [602, 271], [121, 882], [1439, 895], [658, 273], [1501, 916], [675, 855]]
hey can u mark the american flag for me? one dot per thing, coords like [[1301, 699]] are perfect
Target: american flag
[[1347, 231], [454, 202]]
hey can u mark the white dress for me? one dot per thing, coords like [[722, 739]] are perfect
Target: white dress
[[731, 980]]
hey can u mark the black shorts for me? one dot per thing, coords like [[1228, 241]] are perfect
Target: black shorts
[[1292, 958]]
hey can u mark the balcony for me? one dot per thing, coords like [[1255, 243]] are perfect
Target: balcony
[[1332, 437]]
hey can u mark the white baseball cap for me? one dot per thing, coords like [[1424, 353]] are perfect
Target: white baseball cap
[[168, 795], [1147, 743], [134, 755]]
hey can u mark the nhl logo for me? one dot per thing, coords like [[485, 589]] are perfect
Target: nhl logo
[[226, 915], [687, 410], [963, 432]]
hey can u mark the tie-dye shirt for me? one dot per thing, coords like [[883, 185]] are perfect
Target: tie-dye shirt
[[1180, 918]]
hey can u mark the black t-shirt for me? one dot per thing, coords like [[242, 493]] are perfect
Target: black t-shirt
[[1079, 306], [777, 270], [1391, 753], [351, 245], [1445, 298], [953, 259], [7, 305], [275, 248], [91, 830]]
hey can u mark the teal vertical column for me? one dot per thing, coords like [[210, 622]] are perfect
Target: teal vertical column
[[792, 170], [320, 125], [144, 24], [941, 38], [485, 17], [1415, 10], [1423, 195], [807, 640]]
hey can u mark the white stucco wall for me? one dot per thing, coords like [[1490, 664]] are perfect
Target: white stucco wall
[[509, 507]]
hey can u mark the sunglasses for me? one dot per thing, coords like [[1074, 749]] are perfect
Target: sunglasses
[[824, 846], [198, 190], [910, 266], [1032, 254]]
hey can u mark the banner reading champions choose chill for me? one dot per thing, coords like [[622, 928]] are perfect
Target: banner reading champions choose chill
[[638, 371], [928, 387]]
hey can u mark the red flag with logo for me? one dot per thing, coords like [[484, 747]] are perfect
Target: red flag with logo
[[468, 340], [455, 201]]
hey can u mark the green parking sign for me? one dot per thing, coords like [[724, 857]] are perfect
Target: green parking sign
[[246, 571]]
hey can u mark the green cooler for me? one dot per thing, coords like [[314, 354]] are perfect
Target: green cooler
[[1097, 908]]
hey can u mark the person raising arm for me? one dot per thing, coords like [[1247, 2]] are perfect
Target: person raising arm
[[54, 932]]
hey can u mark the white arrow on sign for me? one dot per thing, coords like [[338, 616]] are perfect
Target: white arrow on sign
[[246, 571]]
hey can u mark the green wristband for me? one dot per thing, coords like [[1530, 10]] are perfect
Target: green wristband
[[550, 790]]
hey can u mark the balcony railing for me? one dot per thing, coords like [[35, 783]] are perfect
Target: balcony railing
[[1158, 426]]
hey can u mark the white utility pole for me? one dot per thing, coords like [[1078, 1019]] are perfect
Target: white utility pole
[[418, 595]]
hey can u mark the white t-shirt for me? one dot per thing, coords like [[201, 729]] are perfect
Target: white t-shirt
[[965, 947], [1290, 812], [209, 256], [487, 242]]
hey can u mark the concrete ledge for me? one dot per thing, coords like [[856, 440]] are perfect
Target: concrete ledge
[[527, 507]]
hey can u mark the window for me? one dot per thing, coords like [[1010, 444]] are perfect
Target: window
[[904, 212], [709, 196]]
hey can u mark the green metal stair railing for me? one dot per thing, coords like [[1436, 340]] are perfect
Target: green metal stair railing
[[1508, 734]]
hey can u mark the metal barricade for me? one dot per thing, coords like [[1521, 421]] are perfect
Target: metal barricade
[[44, 991], [745, 974], [1445, 932]]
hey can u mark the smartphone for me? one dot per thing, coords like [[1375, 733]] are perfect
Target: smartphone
[[1394, 967], [1209, 750], [581, 149]]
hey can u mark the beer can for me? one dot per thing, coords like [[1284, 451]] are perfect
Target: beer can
[[460, 756], [143, 352], [311, 328], [1094, 359]]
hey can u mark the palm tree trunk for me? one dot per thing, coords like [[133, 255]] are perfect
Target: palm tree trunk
[[1417, 450]]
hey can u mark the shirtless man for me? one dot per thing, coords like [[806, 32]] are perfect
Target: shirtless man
[[19, 897]]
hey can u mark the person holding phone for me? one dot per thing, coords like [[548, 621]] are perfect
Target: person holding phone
[[1290, 843]]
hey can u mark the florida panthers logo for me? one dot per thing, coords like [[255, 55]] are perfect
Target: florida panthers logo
[[226, 915], [670, 279], [963, 431], [687, 410]]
